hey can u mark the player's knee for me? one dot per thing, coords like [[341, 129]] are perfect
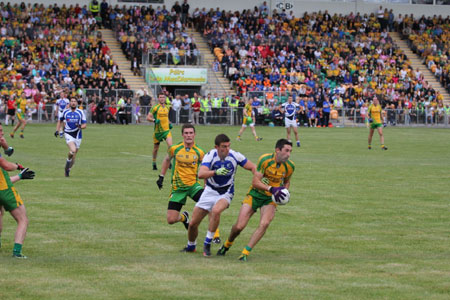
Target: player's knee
[[172, 220], [264, 224], [238, 227]]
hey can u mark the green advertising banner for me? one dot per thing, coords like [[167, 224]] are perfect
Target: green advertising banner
[[177, 76]]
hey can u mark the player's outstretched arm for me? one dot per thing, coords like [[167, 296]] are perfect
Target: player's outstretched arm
[[9, 166], [205, 172], [24, 174], [250, 166]]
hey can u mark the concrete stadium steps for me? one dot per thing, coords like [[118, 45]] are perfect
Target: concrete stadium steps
[[417, 62], [216, 82], [135, 82]]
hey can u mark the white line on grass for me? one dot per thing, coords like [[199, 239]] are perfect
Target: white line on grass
[[128, 153]]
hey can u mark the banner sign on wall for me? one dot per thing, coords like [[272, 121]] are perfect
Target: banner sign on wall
[[177, 76]]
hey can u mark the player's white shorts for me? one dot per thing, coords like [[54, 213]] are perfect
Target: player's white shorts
[[290, 123], [70, 138], [60, 114], [210, 197]]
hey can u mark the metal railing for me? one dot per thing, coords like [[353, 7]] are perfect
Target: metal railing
[[233, 116]]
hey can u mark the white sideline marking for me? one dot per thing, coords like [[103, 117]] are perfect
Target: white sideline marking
[[128, 153]]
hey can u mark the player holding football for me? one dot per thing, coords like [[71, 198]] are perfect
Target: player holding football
[[73, 120], [273, 174], [219, 167], [160, 115], [290, 109], [21, 108], [62, 103], [248, 121], [11, 201], [375, 112]]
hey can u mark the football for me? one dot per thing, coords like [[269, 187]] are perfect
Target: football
[[284, 200]]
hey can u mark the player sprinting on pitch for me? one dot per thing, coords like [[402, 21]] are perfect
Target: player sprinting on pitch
[[290, 109], [218, 167], [249, 120], [11, 201], [273, 174], [375, 114], [21, 109], [160, 115], [73, 120], [187, 157]]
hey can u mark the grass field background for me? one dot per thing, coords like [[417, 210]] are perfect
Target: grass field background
[[360, 225]]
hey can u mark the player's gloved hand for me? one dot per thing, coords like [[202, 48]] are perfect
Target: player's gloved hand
[[26, 174], [157, 121], [170, 126], [265, 180], [222, 171], [19, 167], [370, 120], [160, 181], [277, 192], [9, 151], [56, 133]]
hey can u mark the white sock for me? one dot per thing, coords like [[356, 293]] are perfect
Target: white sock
[[209, 235], [194, 243]]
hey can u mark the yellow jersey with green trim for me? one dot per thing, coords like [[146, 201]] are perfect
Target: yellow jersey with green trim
[[374, 112], [185, 162], [161, 113], [21, 104], [248, 108], [276, 173], [5, 181]]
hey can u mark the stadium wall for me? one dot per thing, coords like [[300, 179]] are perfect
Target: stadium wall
[[298, 6]]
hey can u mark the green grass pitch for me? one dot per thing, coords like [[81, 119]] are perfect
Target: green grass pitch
[[360, 225]]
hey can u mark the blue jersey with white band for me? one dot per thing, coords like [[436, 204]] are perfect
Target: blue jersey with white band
[[62, 104], [290, 109], [213, 162], [73, 120]]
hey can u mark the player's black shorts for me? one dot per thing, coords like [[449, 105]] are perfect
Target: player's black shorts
[[11, 112]]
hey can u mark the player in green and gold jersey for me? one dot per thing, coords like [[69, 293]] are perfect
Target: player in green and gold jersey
[[21, 108], [10, 200], [273, 174], [187, 157], [249, 120], [375, 114], [160, 115]]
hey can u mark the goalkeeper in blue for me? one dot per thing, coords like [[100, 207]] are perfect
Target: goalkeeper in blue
[[273, 174]]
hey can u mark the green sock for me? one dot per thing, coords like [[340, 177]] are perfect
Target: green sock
[[17, 248]]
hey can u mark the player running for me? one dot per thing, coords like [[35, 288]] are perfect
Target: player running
[[218, 167], [11, 201], [273, 174], [160, 115], [73, 120], [375, 112], [62, 103], [249, 120], [290, 109], [21, 109]]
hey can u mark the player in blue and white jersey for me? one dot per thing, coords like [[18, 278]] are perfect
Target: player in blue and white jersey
[[218, 168], [290, 109], [74, 121], [61, 104]]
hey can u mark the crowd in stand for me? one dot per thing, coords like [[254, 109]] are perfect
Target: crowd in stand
[[47, 52], [343, 60], [430, 38], [160, 33]]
